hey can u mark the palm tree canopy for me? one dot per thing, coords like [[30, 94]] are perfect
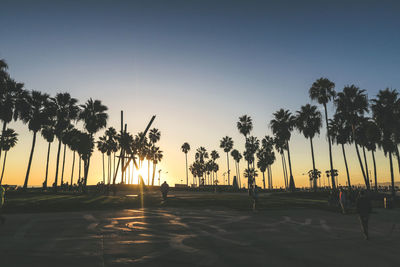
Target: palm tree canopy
[[12, 99], [245, 125], [185, 147], [34, 112], [352, 103], [154, 135], [214, 155], [201, 154], [236, 155], [226, 144], [94, 116], [250, 173], [8, 139], [283, 124], [322, 90], [66, 110], [309, 120], [339, 129]]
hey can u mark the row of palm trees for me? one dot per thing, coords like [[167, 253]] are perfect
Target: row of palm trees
[[366, 124], [56, 118]]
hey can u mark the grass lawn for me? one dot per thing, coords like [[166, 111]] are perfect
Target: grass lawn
[[23, 202]]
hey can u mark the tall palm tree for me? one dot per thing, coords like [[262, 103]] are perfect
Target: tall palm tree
[[262, 163], [9, 140], [309, 122], [200, 157], [227, 144], [185, 149], [35, 115], [352, 103], [282, 125], [237, 157], [373, 136], [214, 156], [322, 90], [340, 132], [252, 145], [154, 137], [112, 147], [385, 111], [48, 133], [280, 146], [102, 147], [251, 175], [245, 125], [66, 112], [157, 157], [12, 96], [94, 117], [74, 147], [65, 140], [268, 155]]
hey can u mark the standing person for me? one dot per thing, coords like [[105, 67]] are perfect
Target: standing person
[[2, 199], [364, 208], [164, 190]]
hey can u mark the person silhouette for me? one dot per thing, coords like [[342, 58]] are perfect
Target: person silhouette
[[364, 208], [164, 190]]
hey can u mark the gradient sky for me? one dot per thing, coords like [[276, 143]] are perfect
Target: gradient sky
[[198, 65]]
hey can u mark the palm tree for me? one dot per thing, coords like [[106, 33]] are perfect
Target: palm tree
[[112, 147], [35, 115], [66, 112], [94, 116], [352, 103], [385, 112], [157, 157], [282, 126], [12, 97], [85, 150], [200, 158], [373, 136], [226, 144], [309, 122], [280, 146], [102, 147], [9, 140], [252, 145], [262, 163], [268, 156], [65, 139], [245, 125], [48, 133], [74, 147], [214, 156], [154, 137], [237, 157], [251, 175], [340, 132], [185, 149], [322, 90]]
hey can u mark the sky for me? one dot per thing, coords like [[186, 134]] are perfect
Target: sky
[[198, 66]]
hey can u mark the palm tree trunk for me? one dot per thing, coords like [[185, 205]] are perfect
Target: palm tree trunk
[[104, 171], [229, 171], [30, 160], [2, 135], [292, 186], [270, 177], [4, 165], [109, 169], [113, 164], [73, 165], [154, 173], [375, 175], [366, 164], [148, 172], [47, 166], [361, 165], [187, 174], [80, 160], [347, 168], [330, 147], [313, 165], [263, 179], [58, 160], [63, 164], [284, 170], [398, 157], [392, 174]]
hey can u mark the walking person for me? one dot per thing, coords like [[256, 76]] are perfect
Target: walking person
[[164, 190], [364, 208], [2, 199]]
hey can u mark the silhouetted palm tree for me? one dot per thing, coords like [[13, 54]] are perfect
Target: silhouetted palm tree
[[252, 145], [74, 146], [94, 117], [185, 149], [102, 147], [385, 110], [268, 155], [35, 115], [157, 157], [282, 126], [9, 140], [214, 156], [48, 133], [322, 90], [340, 132], [280, 146], [237, 157], [309, 122], [245, 125], [373, 136], [111, 148], [226, 144], [66, 112], [251, 175], [352, 103], [12, 97]]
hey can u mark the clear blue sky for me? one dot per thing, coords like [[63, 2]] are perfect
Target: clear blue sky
[[198, 65]]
